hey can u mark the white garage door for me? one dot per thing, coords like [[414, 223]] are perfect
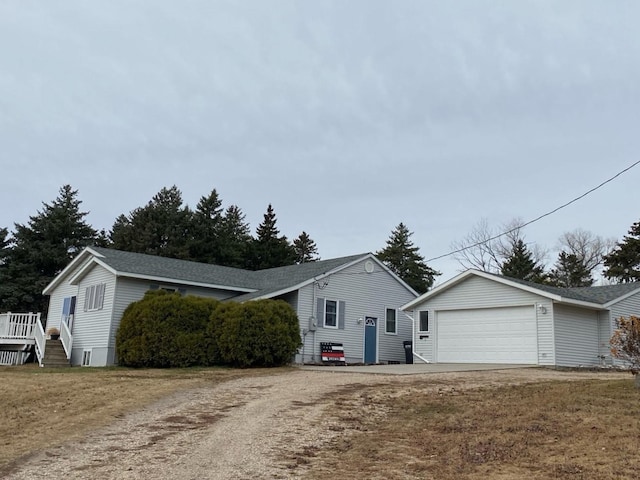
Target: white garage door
[[490, 335]]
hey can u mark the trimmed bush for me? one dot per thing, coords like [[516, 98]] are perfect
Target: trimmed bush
[[168, 330], [165, 330], [261, 333]]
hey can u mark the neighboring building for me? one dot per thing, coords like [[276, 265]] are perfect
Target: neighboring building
[[352, 300], [478, 317]]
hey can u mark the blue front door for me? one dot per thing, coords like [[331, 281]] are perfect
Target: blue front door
[[370, 339]]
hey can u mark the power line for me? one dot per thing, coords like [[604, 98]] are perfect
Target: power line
[[537, 218]]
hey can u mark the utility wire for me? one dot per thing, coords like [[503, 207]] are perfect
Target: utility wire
[[537, 218]]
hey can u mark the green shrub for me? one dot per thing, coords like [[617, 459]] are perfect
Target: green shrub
[[262, 333], [168, 330], [164, 330]]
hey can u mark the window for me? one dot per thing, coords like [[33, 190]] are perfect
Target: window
[[86, 358], [94, 297], [331, 314], [390, 324], [424, 321]]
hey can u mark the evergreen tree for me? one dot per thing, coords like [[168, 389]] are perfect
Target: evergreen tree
[[404, 259], [234, 238], [162, 227], [623, 262], [41, 249], [205, 230], [570, 271], [270, 250], [305, 249], [520, 264]]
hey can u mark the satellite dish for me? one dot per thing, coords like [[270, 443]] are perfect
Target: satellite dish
[[368, 266]]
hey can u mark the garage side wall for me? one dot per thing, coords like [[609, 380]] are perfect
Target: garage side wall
[[576, 336], [624, 308], [478, 292]]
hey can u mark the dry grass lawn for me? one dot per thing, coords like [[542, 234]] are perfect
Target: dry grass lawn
[[573, 430], [45, 407], [447, 427]]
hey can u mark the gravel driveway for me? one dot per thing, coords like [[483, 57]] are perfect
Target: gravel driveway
[[242, 429]]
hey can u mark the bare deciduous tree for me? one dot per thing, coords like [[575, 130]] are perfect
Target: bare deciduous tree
[[588, 248], [486, 248]]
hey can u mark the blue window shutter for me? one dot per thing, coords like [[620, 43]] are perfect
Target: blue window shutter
[[341, 306], [320, 312]]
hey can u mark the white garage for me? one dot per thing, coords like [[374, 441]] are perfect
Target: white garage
[[487, 335], [479, 317]]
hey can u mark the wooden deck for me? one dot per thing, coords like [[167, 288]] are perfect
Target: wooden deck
[[16, 328], [17, 334]]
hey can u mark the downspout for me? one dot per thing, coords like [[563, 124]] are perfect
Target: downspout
[[413, 337]]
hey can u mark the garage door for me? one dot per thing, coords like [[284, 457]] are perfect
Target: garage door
[[491, 335]]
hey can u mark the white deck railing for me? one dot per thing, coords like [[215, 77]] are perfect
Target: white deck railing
[[40, 342], [13, 357], [18, 325], [67, 339]]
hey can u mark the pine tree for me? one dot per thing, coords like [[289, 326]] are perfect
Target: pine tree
[[305, 249], [234, 238], [404, 259], [269, 249], [41, 249], [162, 227], [520, 264], [205, 245], [570, 271], [623, 263]]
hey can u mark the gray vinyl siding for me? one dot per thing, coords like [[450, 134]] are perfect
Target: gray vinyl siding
[[54, 312], [91, 328], [604, 335], [624, 308], [291, 298], [477, 292], [576, 336], [364, 294]]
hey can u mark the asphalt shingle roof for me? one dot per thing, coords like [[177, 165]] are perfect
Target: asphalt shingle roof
[[599, 294], [263, 282]]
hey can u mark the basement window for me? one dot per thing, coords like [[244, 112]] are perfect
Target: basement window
[[86, 358]]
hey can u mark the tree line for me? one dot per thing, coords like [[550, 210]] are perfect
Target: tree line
[[35, 252], [582, 255]]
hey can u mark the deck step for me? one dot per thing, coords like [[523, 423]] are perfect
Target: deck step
[[54, 355]]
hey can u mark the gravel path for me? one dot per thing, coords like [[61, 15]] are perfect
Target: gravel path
[[242, 429]]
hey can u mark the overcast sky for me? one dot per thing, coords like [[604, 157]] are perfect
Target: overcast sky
[[349, 117]]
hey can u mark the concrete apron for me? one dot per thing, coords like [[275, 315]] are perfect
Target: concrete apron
[[414, 369]]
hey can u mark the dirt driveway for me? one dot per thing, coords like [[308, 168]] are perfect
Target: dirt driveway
[[242, 429]]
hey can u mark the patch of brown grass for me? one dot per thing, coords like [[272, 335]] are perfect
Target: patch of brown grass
[[574, 430], [45, 407]]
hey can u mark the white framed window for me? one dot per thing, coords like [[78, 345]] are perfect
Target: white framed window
[[424, 321], [86, 358], [391, 321], [94, 297], [330, 314]]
